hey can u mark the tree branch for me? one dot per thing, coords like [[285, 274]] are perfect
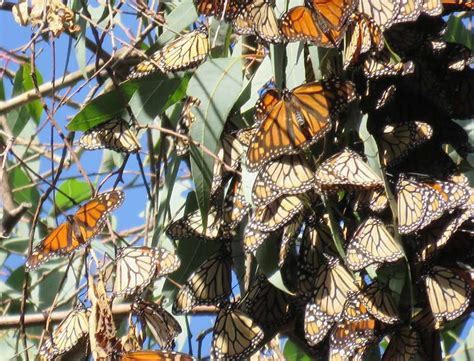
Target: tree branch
[[45, 89], [36, 319]]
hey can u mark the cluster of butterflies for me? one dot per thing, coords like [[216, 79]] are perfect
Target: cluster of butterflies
[[363, 255]]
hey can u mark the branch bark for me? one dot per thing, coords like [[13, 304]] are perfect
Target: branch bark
[[45, 89], [36, 319]]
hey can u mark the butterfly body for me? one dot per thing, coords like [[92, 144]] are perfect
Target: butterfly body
[[77, 230], [294, 120]]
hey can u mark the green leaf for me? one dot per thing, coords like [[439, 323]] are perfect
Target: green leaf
[[180, 18], [267, 258], [314, 56], [16, 244], [370, 146], [263, 74], [292, 352], [219, 35], [278, 62], [79, 191], [458, 33], [35, 108], [295, 69], [19, 180], [217, 84], [80, 46], [155, 94], [202, 174], [2, 90], [104, 107], [110, 160], [18, 117], [166, 192]]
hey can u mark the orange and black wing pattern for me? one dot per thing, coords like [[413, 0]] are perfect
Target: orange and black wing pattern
[[78, 229], [90, 218], [300, 24], [333, 13], [300, 118]]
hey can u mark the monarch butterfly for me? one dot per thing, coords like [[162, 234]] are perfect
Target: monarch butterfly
[[313, 244], [265, 304], [216, 7], [210, 284], [333, 14], [221, 220], [245, 135], [457, 56], [448, 293], [137, 266], [403, 346], [253, 238], [288, 238], [454, 195], [379, 303], [316, 324], [457, 5], [417, 205], [191, 226], [69, 332], [437, 235], [381, 65], [372, 243], [420, 203], [383, 12], [114, 134], [364, 35], [162, 324], [185, 52], [375, 199], [235, 206], [290, 174], [410, 10], [353, 334], [275, 215], [78, 229], [430, 338], [257, 17], [346, 169], [157, 355], [187, 119], [316, 240], [332, 286], [301, 23], [298, 119], [235, 335], [433, 7], [397, 140], [230, 153]]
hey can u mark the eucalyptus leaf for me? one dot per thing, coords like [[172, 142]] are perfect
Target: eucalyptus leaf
[[104, 107], [155, 94], [217, 84], [77, 190]]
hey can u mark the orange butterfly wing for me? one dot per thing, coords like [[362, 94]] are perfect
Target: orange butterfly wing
[[266, 103], [334, 12], [299, 24], [77, 230], [299, 119], [60, 241], [90, 218]]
